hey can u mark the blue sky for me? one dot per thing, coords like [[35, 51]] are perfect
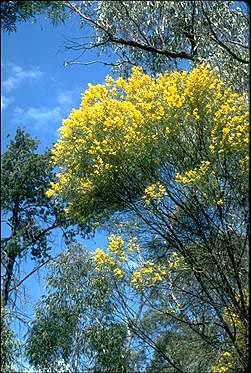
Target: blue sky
[[38, 92]]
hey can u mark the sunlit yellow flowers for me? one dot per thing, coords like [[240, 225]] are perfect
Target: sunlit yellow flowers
[[220, 202], [149, 274], [116, 246], [49, 193], [195, 174], [102, 259], [118, 273], [127, 125], [155, 191]]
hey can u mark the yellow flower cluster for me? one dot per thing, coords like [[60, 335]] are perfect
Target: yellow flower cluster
[[220, 202], [231, 123], [149, 274], [196, 114], [102, 259], [118, 261], [118, 124], [224, 364], [195, 174], [49, 193], [155, 191], [118, 273], [118, 254], [201, 83], [227, 359], [174, 261], [116, 246], [244, 165], [232, 318], [133, 245]]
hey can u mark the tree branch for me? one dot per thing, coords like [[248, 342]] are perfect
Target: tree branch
[[130, 43], [219, 42], [32, 272]]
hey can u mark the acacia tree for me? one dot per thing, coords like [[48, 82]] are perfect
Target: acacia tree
[[120, 276], [173, 151]]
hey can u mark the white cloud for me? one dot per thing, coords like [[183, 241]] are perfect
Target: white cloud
[[6, 101], [47, 118], [68, 97], [19, 75], [42, 118], [65, 97]]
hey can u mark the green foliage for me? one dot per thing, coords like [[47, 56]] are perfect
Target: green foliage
[[10, 346], [75, 323], [157, 35], [14, 12], [189, 27], [198, 358], [25, 178], [106, 344], [28, 214]]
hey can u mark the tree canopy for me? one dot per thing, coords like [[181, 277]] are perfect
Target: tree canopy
[[14, 12], [157, 156], [157, 35]]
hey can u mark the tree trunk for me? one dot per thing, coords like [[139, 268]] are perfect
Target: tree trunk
[[11, 256], [7, 281]]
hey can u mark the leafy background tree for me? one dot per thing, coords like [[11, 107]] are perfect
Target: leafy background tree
[[28, 213], [79, 305], [191, 31], [28, 216], [14, 12], [10, 346]]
